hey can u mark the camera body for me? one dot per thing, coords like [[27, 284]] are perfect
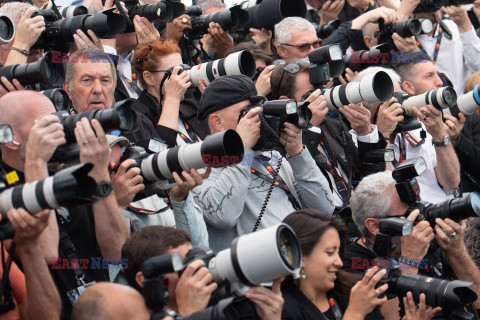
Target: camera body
[[273, 115], [243, 264]]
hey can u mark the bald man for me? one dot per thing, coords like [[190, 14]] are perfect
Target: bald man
[[110, 301], [96, 230]]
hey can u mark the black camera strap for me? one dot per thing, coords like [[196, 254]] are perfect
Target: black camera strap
[[68, 247], [334, 308], [131, 83], [343, 187], [192, 135], [276, 181]]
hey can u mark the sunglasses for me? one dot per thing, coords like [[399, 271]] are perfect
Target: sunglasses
[[293, 67], [304, 46]]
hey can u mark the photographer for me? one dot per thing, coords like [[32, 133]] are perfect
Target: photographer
[[110, 301], [458, 45], [295, 38], [352, 33], [230, 199], [338, 159], [166, 108], [191, 292], [90, 82], [376, 198], [185, 297], [315, 294], [127, 182], [34, 293], [96, 230], [27, 32], [442, 163], [466, 144]]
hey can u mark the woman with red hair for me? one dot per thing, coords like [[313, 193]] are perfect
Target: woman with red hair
[[165, 109]]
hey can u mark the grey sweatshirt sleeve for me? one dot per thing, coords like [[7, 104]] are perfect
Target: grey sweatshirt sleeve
[[189, 217], [312, 186], [222, 196]]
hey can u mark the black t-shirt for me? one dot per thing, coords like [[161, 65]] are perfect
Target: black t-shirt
[[358, 259]]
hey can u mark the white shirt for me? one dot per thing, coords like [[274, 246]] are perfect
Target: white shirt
[[458, 58], [430, 191]]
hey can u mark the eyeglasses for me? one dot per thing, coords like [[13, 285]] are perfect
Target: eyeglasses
[[304, 46]]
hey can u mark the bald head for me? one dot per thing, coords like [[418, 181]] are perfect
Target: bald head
[[110, 301], [20, 109]]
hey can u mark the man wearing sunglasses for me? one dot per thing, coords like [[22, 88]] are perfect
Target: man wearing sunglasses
[[295, 38]]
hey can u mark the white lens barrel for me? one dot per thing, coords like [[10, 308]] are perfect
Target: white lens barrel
[[414, 101], [190, 156], [221, 267], [467, 104], [231, 65], [154, 167], [28, 195], [259, 257], [367, 89], [6, 200], [48, 193]]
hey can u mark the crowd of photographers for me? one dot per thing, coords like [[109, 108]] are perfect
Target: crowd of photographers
[[280, 159]]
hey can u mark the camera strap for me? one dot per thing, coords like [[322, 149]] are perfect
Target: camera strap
[[334, 308], [276, 181], [131, 83], [437, 45], [343, 187], [68, 247], [192, 138]]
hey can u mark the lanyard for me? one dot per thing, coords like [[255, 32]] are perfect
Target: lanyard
[[340, 182], [278, 182], [406, 137], [334, 307], [191, 133], [68, 247], [437, 45], [343, 186], [131, 83]]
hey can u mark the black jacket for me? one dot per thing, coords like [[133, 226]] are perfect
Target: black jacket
[[468, 151], [348, 158], [148, 114]]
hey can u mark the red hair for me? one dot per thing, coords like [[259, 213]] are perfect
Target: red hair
[[148, 57]]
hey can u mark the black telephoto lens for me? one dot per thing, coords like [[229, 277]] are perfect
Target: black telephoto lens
[[46, 70], [120, 116], [407, 28], [59, 98], [455, 209], [450, 295], [270, 12]]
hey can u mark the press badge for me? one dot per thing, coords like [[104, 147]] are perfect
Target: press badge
[[75, 293]]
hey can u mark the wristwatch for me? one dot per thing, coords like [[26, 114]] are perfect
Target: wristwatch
[[445, 142], [104, 188]]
